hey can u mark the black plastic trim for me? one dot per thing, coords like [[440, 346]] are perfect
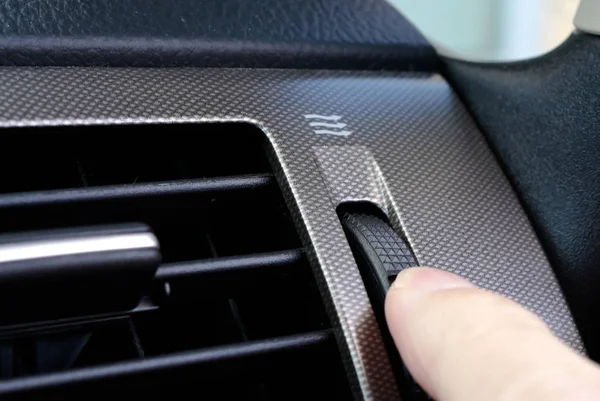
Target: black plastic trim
[[34, 51], [116, 192], [541, 118], [230, 265], [342, 34], [206, 358]]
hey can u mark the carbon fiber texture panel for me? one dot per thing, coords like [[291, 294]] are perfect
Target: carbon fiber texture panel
[[430, 170]]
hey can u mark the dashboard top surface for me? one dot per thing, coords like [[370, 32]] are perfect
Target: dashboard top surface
[[362, 34]]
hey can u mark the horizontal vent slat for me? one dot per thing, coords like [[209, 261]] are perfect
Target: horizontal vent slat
[[209, 272], [144, 190], [205, 361], [233, 311], [230, 265]]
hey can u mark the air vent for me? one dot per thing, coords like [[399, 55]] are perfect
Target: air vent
[[232, 311]]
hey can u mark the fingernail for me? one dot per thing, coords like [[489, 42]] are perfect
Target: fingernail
[[429, 279]]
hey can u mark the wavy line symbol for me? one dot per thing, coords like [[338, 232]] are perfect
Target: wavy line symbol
[[331, 123]]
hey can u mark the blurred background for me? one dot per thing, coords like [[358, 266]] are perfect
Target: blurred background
[[492, 30]]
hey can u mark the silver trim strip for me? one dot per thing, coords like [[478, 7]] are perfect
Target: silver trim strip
[[75, 246]]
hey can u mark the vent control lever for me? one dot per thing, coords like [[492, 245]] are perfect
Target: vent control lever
[[61, 273], [381, 254]]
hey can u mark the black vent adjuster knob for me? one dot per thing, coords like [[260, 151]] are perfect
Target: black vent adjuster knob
[[381, 253]]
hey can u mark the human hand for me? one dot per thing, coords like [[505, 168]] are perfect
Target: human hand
[[462, 343]]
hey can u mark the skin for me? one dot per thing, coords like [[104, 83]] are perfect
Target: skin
[[462, 343]]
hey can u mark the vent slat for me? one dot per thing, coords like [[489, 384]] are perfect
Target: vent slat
[[233, 276], [209, 271], [233, 310], [145, 190], [230, 265], [208, 362]]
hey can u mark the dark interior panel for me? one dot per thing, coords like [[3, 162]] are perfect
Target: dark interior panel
[[355, 34], [541, 117]]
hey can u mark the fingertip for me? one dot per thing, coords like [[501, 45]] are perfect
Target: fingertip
[[403, 309], [448, 330], [411, 286], [428, 279]]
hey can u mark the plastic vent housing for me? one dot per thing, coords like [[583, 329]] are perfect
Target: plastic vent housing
[[233, 310]]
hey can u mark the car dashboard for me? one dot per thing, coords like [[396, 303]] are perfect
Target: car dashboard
[[385, 132]]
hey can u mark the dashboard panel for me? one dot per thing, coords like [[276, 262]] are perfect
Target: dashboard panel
[[365, 34], [401, 141]]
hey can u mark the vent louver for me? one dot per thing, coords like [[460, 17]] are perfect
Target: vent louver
[[233, 311]]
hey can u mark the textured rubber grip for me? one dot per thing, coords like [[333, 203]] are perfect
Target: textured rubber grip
[[382, 241], [381, 253]]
